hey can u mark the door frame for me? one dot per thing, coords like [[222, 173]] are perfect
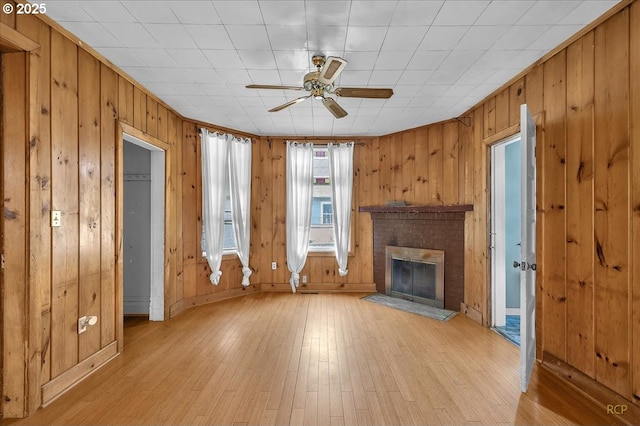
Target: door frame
[[159, 221]]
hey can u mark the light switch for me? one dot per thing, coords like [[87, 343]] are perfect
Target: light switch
[[56, 218]]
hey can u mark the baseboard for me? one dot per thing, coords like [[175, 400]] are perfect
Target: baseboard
[[220, 295], [59, 385], [612, 403], [472, 313], [321, 288]]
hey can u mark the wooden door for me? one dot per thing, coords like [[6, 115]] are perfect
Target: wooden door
[[528, 248]]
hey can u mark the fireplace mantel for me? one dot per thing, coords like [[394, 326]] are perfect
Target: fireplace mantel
[[418, 209]]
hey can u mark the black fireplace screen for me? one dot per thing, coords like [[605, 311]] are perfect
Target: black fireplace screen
[[416, 279]]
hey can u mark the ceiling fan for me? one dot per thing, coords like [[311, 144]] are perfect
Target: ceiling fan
[[321, 81]]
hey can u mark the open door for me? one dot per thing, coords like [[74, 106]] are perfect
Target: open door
[[527, 263]]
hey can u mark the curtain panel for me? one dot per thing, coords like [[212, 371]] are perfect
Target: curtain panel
[[341, 178], [299, 199]]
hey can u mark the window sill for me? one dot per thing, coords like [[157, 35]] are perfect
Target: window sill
[[326, 253]]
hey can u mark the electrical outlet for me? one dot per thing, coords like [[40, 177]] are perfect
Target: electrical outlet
[[304, 279], [274, 265]]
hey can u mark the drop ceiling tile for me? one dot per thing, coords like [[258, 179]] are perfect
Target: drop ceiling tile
[[458, 59], [323, 12], [460, 90], [416, 12], [402, 90], [403, 38], [292, 60], [586, 12], [292, 78], [325, 38], [201, 75], [132, 34], [524, 58], [94, 34], [258, 59], [151, 13], [238, 12], [358, 61], [188, 89], [518, 38], [481, 37], [446, 76], [351, 78], [283, 12], [442, 38], [224, 59], [258, 76], [433, 90], [456, 12], [393, 60], [121, 56], [248, 37], [67, 11], [384, 78], [155, 58], [371, 13], [554, 36], [287, 37], [210, 36], [414, 77], [191, 58], [219, 89], [504, 12], [171, 35], [107, 11], [475, 76], [427, 60], [365, 38], [494, 59], [195, 12], [547, 12]]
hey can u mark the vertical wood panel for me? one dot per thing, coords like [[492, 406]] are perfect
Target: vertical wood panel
[[395, 166], [255, 253], [173, 203], [189, 213], [125, 100], [109, 225], [162, 123], [554, 293], [516, 98], [266, 212], [90, 197], [14, 236], [450, 164], [490, 117], [152, 117], [139, 109], [40, 206], [408, 167], [178, 124], [477, 297], [611, 203], [279, 198], [64, 178], [435, 164], [580, 247], [502, 110], [422, 166], [9, 18], [634, 93]]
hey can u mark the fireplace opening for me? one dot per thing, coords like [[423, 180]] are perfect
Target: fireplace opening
[[415, 274]]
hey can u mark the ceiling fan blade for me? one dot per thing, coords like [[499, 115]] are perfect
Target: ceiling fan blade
[[331, 69], [288, 104], [363, 92], [267, 86], [334, 108]]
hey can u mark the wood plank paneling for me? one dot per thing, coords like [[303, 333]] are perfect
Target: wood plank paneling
[[611, 203], [516, 98], [554, 204], [162, 123], [477, 295], [152, 117], [385, 170], [255, 253], [450, 164], [422, 166], [580, 246], [278, 229], [489, 111], [502, 110], [189, 209], [634, 93], [125, 100], [435, 164], [139, 109], [64, 179], [90, 198], [266, 212], [408, 168], [14, 233], [172, 203], [109, 226]]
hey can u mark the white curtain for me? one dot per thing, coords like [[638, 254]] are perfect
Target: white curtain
[[215, 175], [341, 178], [240, 180], [299, 199]]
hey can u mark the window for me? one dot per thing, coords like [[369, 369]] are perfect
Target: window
[[321, 235], [229, 241]]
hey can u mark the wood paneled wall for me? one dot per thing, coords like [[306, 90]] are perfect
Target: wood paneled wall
[[69, 153], [586, 101]]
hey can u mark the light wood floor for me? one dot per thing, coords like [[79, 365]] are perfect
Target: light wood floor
[[325, 359]]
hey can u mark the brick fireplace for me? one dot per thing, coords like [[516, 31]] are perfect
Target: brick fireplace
[[425, 227]]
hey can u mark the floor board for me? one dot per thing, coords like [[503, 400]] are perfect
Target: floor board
[[333, 359]]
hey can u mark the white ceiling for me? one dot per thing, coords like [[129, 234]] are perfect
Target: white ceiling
[[440, 57]]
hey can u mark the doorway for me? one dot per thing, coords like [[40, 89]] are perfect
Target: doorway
[[143, 233], [506, 196]]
